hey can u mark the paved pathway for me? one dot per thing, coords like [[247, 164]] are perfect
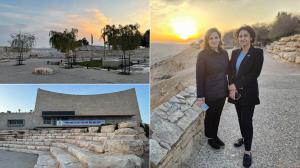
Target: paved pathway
[[10, 159], [276, 124]]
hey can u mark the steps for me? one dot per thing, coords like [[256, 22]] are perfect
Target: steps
[[93, 160], [78, 148], [65, 159], [23, 146]]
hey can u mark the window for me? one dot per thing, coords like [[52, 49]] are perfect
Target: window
[[47, 120], [58, 113], [16, 123]]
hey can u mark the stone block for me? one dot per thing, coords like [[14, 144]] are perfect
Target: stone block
[[43, 71], [128, 124], [125, 146], [157, 153], [93, 129], [126, 131], [108, 129]]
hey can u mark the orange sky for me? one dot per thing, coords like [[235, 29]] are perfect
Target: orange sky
[[204, 14]]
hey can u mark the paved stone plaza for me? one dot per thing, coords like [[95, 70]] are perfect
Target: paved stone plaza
[[17, 159], [23, 74], [276, 124]]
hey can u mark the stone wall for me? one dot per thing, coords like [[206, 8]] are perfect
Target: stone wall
[[6, 53], [287, 48], [174, 125], [30, 120], [138, 54]]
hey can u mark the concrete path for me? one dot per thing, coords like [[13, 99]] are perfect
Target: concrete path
[[10, 159], [276, 124]]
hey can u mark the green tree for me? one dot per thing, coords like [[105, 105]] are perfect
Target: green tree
[[285, 24], [229, 39], [262, 31], [83, 42], [65, 42], [22, 42], [129, 38], [145, 42]]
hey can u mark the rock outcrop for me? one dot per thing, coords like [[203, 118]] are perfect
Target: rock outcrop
[[287, 48], [43, 71]]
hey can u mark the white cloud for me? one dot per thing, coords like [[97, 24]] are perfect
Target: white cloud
[[2, 5], [14, 15]]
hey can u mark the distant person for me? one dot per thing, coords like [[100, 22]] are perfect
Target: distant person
[[212, 84], [244, 68]]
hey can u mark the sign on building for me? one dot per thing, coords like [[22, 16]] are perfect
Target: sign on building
[[80, 122]]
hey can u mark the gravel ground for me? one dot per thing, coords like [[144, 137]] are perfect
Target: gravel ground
[[23, 74], [276, 124], [10, 159]]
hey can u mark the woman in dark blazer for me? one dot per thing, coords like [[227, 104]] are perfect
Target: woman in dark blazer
[[244, 69], [211, 80]]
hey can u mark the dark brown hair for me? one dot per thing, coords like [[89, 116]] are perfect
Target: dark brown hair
[[206, 37], [247, 28]]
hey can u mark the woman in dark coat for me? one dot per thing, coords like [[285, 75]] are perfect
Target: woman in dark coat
[[212, 85], [244, 68]]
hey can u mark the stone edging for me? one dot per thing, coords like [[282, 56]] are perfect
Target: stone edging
[[173, 126]]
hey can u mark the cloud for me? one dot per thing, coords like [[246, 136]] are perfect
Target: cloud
[[140, 16], [2, 5], [174, 2], [14, 15], [91, 21]]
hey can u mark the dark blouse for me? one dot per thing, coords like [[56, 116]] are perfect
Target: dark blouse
[[211, 74]]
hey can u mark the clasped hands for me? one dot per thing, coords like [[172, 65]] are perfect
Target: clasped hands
[[232, 91]]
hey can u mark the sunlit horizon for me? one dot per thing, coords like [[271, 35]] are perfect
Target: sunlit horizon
[[186, 21]]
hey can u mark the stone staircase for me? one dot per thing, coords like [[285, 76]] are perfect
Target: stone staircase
[[84, 148]]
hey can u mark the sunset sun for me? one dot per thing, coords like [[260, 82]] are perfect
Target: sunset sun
[[184, 28]]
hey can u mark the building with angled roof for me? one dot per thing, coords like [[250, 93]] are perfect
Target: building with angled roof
[[65, 110]]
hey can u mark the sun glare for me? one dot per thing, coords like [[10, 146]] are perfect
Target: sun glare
[[184, 28]]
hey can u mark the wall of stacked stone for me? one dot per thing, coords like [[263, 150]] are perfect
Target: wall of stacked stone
[[81, 55], [174, 125], [126, 137], [286, 48]]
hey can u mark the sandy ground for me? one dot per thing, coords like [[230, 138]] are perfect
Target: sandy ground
[[23, 74], [10, 159]]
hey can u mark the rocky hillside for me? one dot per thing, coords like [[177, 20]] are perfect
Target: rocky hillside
[[170, 76]]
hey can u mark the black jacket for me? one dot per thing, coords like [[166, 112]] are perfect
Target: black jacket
[[246, 79], [211, 71]]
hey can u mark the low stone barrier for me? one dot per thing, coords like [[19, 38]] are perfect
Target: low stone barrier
[[287, 48], [174, 125]]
